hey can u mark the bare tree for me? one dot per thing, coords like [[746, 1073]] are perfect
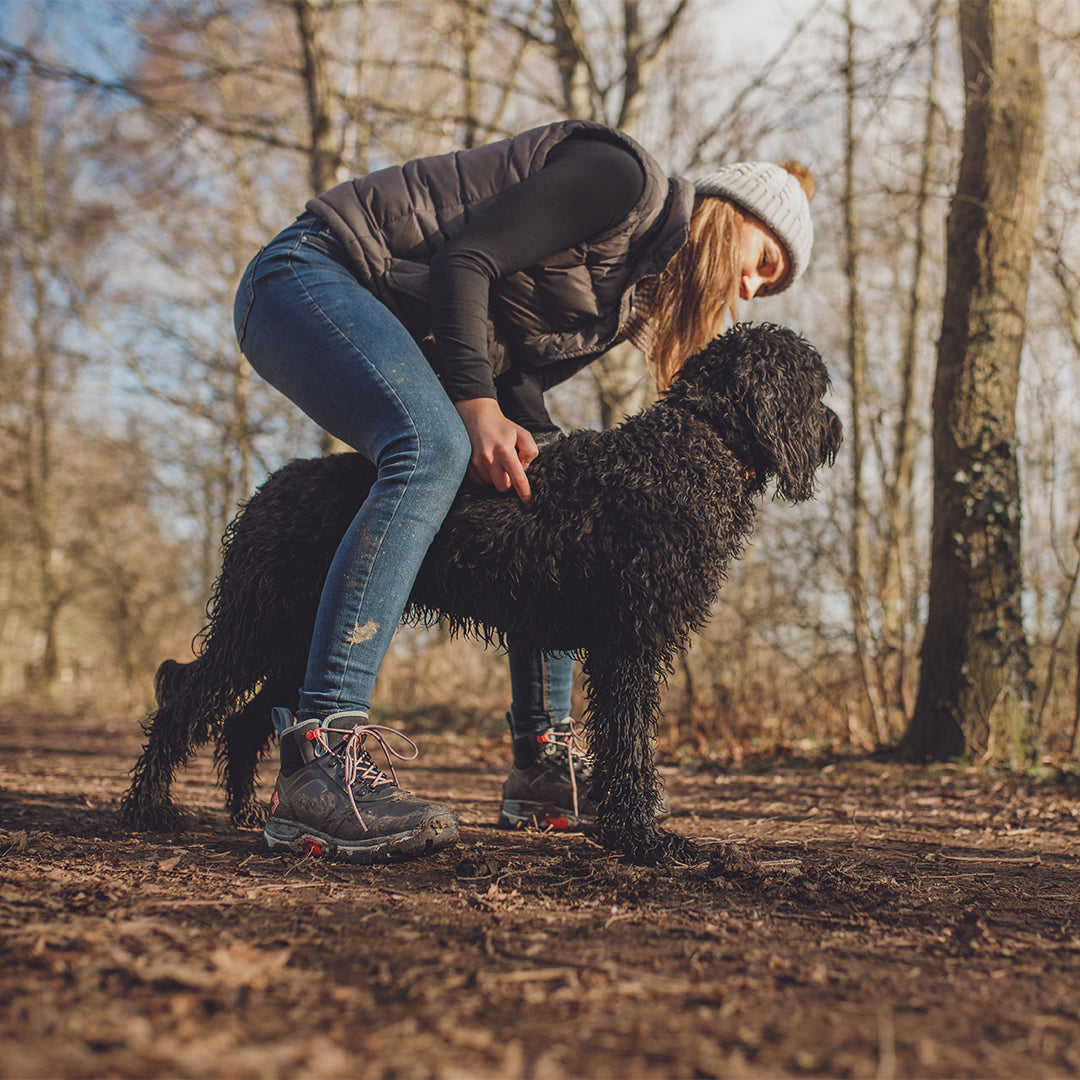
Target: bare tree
[[615, 94], [974, 694], [856, 438], [54, 229], [1066, 561], [898, 555], [881, 534], [70, 498]]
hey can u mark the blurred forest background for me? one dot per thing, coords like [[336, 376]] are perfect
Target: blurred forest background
[[148, 148]]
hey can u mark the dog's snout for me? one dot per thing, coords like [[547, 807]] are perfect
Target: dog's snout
[[832, 436]]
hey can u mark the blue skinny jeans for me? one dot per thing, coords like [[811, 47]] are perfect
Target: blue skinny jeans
[[307, 325], [540, 684]]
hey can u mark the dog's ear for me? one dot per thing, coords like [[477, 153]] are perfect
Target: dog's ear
[[761, 386], [780, 380]]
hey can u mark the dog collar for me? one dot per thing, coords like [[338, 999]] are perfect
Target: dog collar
[[747, 470]]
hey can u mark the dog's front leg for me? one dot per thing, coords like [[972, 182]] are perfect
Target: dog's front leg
[[623, 688]]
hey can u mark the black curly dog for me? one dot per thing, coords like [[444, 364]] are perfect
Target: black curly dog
[[619, 558]]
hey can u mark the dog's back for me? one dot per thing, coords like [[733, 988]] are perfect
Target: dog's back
[[612, 513]]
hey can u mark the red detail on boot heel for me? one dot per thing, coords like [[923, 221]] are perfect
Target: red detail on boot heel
[[310, 846], [557, 823]]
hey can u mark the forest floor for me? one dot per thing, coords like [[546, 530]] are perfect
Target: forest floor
[[856, 919]]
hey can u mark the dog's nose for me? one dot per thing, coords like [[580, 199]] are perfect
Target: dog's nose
[[833, 436]]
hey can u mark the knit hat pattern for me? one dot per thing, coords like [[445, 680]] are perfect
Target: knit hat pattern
[[774, 196]]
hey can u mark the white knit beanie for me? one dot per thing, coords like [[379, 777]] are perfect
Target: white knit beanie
[[774, 196]]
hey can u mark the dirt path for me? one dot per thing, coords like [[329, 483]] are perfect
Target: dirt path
[[862, 920]]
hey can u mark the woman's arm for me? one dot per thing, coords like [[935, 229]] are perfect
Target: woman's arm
[[586, 187]]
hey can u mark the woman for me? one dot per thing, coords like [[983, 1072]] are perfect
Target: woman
[[419, 313]]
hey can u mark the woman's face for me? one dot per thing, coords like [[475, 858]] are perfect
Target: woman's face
[[763, 261]]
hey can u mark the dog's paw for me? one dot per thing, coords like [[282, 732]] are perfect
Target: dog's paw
[[155, 817], [678, 849], [650, 847], [251, 816]]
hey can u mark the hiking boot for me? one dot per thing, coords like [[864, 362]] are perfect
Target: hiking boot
[[549, 783], [331, 799]]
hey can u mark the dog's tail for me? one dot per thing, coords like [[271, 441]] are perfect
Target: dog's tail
[[169, 681]]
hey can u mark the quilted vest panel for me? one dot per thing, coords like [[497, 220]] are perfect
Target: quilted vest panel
[[562, 312]]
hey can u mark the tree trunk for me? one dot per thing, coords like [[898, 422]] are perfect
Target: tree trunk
[[859, 540], [621, 386], [974, 694], [325, 146], [898, 562], [572, 61], [32, 214]]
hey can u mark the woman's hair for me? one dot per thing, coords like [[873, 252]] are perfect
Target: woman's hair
[[699, 287], [697, 290]]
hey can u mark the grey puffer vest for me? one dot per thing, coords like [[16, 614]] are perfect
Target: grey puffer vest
[[563, 312]]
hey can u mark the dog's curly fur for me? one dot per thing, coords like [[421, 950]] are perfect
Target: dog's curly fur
[[619, 558]]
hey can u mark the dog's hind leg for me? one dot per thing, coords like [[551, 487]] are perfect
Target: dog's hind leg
[[170, 739], [193, 701], [623, 711]]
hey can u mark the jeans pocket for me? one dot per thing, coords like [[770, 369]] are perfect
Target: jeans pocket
[[322, 240], [245, 300]]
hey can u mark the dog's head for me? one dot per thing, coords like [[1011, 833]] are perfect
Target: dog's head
[[760, 387]]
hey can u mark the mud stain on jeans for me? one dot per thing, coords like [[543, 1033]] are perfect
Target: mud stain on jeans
[[359, 634]]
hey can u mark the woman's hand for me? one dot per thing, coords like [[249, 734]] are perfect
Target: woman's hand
[[501, 449]]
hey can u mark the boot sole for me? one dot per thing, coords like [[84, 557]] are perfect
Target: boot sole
[[427, 837], [521, 813]]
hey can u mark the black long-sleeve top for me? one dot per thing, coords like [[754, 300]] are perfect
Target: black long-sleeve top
[[586, 187]]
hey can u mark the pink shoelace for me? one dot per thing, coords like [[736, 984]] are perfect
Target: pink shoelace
[[570, 741], [357, 762]]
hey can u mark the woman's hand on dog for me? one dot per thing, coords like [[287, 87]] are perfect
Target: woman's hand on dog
[[501, 449]]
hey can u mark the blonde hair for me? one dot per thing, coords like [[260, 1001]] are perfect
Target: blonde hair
[[697, 290]]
